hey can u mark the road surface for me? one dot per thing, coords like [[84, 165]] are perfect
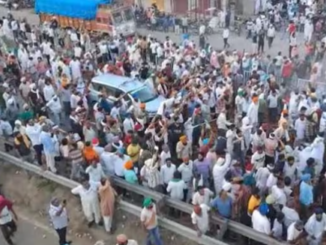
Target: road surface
[[30, 234], [236, 42], [32, 231]]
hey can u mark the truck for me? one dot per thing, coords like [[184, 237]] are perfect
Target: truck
[[91, 15]]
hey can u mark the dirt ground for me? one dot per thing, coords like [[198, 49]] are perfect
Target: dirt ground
[[32, 195]]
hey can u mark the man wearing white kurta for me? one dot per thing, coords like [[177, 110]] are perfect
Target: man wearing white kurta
[[318, 149], [219, 170], [95, 172], [315, 227], [89, 200]]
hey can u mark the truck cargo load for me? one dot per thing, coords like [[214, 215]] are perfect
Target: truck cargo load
[[79, 9]]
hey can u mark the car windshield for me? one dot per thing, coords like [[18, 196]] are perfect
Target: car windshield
[[144, 94], [128, 14], [117, 18]]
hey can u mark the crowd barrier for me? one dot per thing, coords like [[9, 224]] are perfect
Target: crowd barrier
[[160, 199]]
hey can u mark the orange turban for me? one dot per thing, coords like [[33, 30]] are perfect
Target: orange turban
[[129, 165], [183, 138]]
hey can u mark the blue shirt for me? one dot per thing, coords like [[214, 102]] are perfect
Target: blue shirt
[[130, 176], [191, 107], [47, 142], [306, 194], [224, 207]]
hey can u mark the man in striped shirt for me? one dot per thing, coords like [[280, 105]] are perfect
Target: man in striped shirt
[[77, 161]]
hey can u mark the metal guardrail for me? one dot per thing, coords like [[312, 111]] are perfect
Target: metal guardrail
[[160, 199], [128, 207]]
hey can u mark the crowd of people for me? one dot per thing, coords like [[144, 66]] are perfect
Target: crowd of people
[[231, 136]]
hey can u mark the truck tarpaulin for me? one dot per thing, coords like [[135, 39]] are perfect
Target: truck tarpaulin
[[80, 9]]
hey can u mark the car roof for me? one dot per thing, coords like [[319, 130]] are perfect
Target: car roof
[[125, 84]]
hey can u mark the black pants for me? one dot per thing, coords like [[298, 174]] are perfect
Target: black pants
[[62, 235], [260, 47], [226, 44], [8, 230], [272, 114], [270, 41], [38, 150], [290, 51]]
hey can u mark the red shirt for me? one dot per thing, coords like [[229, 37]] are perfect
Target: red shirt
[[127, 139], [291, 28], [287, 70]]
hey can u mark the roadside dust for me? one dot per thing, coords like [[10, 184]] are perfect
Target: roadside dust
[[32, 195]]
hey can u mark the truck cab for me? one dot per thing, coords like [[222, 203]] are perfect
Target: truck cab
[[116, 20]]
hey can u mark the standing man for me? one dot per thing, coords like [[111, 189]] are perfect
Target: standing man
[[59, 219], [148, 217], [7, 221], [184, 22], [226, 34]]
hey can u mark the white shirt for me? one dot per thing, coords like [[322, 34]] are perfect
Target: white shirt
[[279, 195], [146, 215], [277, 229], [5, 216], [115, 112], [167, 173], [86, 195], [290, 216], [293, 41], [95, 174], [78, 52], [222, 122], [48, 92], [201, 221], [271, 32], [153, 47], [107, 160], [198, 199], [54, 104], [33, 133], [272, 101], [159, 51], [58, 221], [186, 171], [316, 228], [258, 159], [119, 163], [293, 233], [202, 29], [260, 223], [175, 188], [272, 180], [14, 25], [261, 177], [300, 127], [163, 156], [226, 33], [128, 124]]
